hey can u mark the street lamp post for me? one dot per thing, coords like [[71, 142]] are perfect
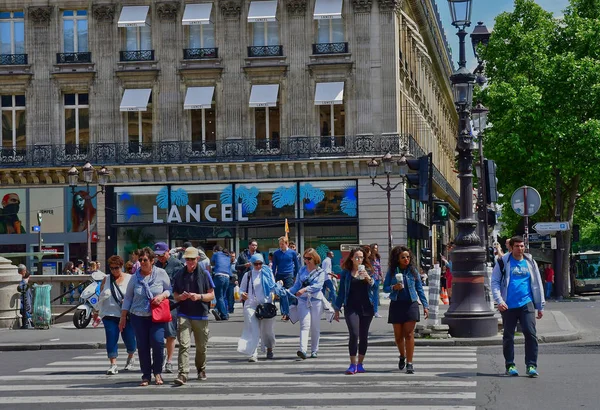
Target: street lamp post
[[469, 314], [388, 162], [88, 176], [479, 114]]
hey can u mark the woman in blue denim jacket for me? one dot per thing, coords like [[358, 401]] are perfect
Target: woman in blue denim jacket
[[356, 296], [403, 283]]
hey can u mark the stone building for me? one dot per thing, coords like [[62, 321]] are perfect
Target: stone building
[[219, 120]]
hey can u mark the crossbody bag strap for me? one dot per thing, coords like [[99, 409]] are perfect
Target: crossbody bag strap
[[114, 290]]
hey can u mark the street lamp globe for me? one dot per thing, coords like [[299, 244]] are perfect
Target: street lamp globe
[[373, 165], [460, 12], [479, 115], [387, 163], [73, 176], [480, 36], [463, 82], [88, 173], [103, 175]]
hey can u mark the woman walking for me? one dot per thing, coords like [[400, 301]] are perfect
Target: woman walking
[[112, 292], [375, 260], [355, 295], [403, 283], [149, 286], [308, 288]]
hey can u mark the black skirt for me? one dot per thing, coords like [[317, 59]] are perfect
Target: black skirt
[[403, 311]]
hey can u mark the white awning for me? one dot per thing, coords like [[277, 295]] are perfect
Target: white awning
[[262, 11], [198, 97], [135, 99], [264, 95], [133, 16], [329, 93], [196, 14], [328, 9]]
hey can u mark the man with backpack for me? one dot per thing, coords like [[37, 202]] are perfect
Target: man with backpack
[[518, 291]]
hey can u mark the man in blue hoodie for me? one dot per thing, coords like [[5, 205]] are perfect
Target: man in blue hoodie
[[518, 291], [285, 263]]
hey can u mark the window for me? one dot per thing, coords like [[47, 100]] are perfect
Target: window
[[13, 122], [77, 122], [265, 33], [332, 123], [12, 32], [202, 36], [266, 127], [204, 129], [330, 31], [138, 38], [75, 31], [139, 129]]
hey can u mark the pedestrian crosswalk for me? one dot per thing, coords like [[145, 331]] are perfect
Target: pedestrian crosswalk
[[444, 379]]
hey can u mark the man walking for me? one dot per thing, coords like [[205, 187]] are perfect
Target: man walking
[[26, 307], [193, 289], [328, 286], [243, 261], [518, 291], [172, 266], [285, 263], [549, 278]]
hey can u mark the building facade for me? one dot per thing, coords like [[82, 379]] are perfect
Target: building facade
[[219, 120]]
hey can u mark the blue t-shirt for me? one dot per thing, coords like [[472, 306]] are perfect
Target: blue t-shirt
[[221, 263], [519, 288]]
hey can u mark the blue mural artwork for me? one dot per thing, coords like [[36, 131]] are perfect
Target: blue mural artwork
[[162, 198], [284, 196], [349, 204], [131, 209], [227, 195], [179, 197], [322, 250], [311, 196], [248, 197]]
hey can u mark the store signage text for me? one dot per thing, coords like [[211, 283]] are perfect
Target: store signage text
[[193, 214]]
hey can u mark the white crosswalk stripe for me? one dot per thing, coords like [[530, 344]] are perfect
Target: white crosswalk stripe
[[444, 379]]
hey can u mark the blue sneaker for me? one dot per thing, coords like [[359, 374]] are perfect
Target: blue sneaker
[[351, 369], [360, 368], [532, 371], [511, 370]]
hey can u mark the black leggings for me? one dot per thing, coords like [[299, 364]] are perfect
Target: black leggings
[[358, 327]]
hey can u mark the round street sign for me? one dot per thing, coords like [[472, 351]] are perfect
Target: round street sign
[[529, 195]]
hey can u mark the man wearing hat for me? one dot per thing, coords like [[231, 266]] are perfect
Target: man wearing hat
[[172, 266], [193, 289]]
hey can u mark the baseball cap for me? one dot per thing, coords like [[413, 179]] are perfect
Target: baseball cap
[[160, 248], [190, 253]]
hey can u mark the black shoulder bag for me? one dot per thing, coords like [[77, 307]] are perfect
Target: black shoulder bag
[[263, 310]]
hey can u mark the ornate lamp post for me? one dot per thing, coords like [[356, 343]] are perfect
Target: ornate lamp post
[[469, 314], [88, 175], [479, 114]]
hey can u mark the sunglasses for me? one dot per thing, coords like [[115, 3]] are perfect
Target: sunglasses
[[307, 258], [257, 264], [115, 268], [190, 259], [144, 260], [358, 258]]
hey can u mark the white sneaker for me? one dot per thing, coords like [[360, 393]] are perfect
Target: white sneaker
[[378, 315], [253, 359], [130, 363], [112, 370]]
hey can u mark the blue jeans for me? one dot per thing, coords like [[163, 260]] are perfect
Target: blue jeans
[[221, 284], [375, 297], [526, 316], [329, 290], [149, 336], [288, 279], [230, 297], [111, 329], [548, 290]]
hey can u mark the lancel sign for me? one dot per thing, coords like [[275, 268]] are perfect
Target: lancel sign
[[195, 213]]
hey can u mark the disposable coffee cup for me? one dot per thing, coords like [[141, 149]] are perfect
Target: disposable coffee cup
[[399, 278]]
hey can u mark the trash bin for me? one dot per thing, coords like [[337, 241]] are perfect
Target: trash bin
[[42, 311]]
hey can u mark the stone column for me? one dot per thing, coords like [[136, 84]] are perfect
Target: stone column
[[9, 297], [390, 86], [298, 107], [360, 107]]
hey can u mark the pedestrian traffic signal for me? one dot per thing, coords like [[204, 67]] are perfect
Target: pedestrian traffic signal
[[490, 253], [426, 259], [492, 219], [491, 189], [441, 213], [419, 179]]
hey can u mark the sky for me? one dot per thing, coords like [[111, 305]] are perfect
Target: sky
[[486, 11]]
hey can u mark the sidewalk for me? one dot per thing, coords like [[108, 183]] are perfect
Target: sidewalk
[[553, 328]]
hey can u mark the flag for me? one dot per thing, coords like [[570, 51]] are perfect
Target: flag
[[287, 228]]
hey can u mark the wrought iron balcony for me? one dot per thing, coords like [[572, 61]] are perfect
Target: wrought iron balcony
[[73, 58], [330, 48], [265, 51], [137, 55], [200, 53], [13, 59]]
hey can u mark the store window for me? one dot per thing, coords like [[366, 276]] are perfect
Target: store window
[[328, 199], [137, 237], [267, 201], [329, 238], [141, 203]]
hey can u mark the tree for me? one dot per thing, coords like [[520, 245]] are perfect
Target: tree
[[544, 100]]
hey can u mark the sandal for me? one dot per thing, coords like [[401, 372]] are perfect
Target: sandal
[[145, 382], [158, 380]]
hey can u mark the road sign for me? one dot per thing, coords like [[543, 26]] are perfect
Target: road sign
[[36, 228], [526, 195], [551, 226], [536, 237]]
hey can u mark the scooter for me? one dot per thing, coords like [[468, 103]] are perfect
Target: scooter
[[88, 301]]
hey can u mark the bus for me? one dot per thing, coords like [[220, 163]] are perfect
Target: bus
[[587, 271]]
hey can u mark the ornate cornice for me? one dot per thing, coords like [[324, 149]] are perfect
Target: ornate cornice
[[104, 13], [40, 15], [231, 9], [167, 11], [390, 5], [362, 6], [297, 7]]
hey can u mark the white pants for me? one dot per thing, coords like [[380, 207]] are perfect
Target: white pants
[[254, 331], [309, 314]]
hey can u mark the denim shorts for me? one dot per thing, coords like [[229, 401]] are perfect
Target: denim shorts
[[171, 327]]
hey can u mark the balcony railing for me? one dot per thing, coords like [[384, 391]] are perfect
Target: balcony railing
[[73, 58], [200, 53], [330, 48], [13, 59], [265, 51], [137, 55]]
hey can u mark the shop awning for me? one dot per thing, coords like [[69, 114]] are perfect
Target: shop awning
[[133, 16], [196, 14], [262, 11], [328, 9], [198, 97], [135, 99], [264, 95], [329, 93]]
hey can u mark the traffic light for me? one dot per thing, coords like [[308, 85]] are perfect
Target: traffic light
[[491, 182], [426, 259], [420, 179], [492, 219], [441, 213], [575, 233], [490, 253]]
